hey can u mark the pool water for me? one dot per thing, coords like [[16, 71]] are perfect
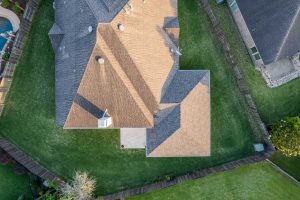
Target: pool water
[[5, 26]]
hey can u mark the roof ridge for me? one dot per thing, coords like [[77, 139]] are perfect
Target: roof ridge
[[55, 30], [129, 67], [288, 33], [108, 8], [88, 2], [133, 92]]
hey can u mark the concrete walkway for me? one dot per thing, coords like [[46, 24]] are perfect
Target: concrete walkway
[[12, 17]]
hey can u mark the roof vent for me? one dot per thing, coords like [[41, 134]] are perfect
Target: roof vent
[[100, 60], [105, 121], [90, 29], [121, 27]]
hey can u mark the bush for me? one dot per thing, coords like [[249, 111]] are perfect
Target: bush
[[81, 188], [285, 136], [5, 3], [6, 56], [17, 8]]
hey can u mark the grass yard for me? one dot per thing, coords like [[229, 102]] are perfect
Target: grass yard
[[290, 165], [29, 122], [11, 185], [273, 104], [256, 181]]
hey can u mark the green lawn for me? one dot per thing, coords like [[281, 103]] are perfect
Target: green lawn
[[28, 119], [11, 185], [256, 181], [273, 104], [290, 164]]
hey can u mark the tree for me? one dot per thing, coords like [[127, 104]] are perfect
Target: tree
[[81, 188], [285, 136]]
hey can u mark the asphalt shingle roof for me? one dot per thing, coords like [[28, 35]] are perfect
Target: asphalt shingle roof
[[180, 84], [74, 17], [274, 26], [166, 121], [56, 36]]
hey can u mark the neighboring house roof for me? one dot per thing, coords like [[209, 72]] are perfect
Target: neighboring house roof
[[274, 26], [139, 82]]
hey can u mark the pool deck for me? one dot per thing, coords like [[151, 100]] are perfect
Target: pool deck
[[12, 17]]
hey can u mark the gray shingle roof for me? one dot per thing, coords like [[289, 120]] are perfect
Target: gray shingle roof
[[274, 26], [73, 50], [180, 84], [56, 35], [105, 10], [166, 122], [171, 22]]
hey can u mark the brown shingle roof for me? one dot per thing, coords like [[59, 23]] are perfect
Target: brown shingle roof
[[140, 78]]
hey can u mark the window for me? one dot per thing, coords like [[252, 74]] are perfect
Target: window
[[254, 50], [233, 5], [257, 56], [255, 53]]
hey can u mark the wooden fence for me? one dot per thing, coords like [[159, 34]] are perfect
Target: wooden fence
[[256, 123], [28, 163], [5, 84], [19, 42], [191, 176]]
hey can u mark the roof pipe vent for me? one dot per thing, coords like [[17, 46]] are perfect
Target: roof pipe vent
[[90, 29], [121, 27], [100, 60]]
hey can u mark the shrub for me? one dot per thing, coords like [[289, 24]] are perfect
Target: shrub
[[81, 188], [17, 8], [5, 3], [285, 136], [6, 56]]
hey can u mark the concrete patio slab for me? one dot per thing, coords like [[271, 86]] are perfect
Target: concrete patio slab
[[280, 69], [133, 138]]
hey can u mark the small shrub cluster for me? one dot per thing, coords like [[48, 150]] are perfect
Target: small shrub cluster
[[80, 188], [285, 136], [5, 3], [17, 8], [6, 56]]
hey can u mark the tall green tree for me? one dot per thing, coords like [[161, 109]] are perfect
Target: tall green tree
[[285, 136]]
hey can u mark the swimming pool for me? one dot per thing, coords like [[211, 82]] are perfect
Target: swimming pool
[[5, 26]]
